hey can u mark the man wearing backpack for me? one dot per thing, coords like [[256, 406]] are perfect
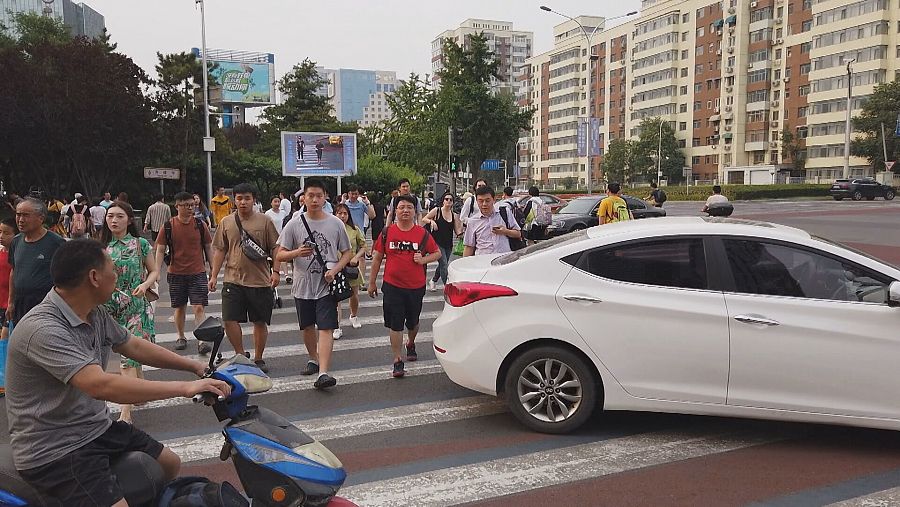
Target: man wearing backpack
[[470, 207], [79, 218], [490, 231], [537, 216], [247, 238], [613, 208], [407, 249], [657, 195], [187, 240]]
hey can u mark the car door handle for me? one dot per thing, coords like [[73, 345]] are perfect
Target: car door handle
[[581, 299], [756, 319]]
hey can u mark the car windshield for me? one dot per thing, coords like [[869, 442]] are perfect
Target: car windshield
[[578, 207], [565, 239]]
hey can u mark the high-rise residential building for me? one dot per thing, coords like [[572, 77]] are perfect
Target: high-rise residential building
[[729, 77], [512, 48], [352, 91], [377, 110], [81, 19]]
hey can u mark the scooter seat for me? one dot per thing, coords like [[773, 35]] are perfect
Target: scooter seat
[[140, 477]]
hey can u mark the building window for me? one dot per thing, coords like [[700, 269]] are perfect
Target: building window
[[682, 126], [682, 108]]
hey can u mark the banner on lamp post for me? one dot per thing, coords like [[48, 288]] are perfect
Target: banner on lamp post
[[582, 139]]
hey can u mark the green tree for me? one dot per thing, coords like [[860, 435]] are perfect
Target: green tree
[[645, 164], [619, 161], [491, 122], [882, 107], [414, 136], [75, 114], [791, 150], [378, 175]]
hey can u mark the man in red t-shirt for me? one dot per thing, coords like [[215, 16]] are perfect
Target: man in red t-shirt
[[407, 248]]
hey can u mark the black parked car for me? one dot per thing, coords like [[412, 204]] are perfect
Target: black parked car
[[860, 188], [581, 213]]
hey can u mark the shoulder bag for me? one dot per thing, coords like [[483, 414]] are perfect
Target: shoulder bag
[[340, 286], [249, 246]]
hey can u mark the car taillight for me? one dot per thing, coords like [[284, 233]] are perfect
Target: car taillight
[[464, 293], [845, 185]]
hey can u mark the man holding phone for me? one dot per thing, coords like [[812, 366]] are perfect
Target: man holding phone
[[487, 232]]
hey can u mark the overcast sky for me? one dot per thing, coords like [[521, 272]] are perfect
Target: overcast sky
[[357, 34]]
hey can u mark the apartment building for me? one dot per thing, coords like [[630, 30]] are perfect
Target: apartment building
[[358, 95], [728, 77], [377, 110], [512, 48]]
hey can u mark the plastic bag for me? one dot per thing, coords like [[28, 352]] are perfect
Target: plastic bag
[[458, 248], [4, 346]]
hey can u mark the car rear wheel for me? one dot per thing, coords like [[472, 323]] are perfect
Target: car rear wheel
[[578, 227], [551, 390], [889, 195], [857, 196], [838, 198]]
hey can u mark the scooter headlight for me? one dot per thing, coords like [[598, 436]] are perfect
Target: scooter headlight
[[314, 452]]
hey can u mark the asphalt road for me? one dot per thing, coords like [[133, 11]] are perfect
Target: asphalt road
[[424, 441]]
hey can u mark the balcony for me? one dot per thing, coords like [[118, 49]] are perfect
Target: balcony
[[755, 146], [757, 106]]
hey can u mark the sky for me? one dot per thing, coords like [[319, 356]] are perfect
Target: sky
[[355, 34]]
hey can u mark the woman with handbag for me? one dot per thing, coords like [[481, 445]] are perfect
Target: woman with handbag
[[130, 302], [358, 247], [445, 225]]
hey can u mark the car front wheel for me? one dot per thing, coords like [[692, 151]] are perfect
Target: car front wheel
[[551, 389], [889, 195], [857, 196]]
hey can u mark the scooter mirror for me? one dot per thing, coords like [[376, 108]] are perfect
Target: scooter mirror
[[210, 330]]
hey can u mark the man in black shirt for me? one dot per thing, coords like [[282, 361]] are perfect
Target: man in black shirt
[[29, 256]]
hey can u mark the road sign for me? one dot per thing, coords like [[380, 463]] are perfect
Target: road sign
[[162, 173], [888, 165], [686, 172], [491, 164]]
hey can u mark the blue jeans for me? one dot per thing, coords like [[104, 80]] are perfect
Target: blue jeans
[[441, 272]]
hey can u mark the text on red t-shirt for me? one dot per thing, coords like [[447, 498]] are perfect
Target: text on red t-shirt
[[400, 270]]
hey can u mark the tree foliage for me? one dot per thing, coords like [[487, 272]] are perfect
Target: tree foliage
[[381, 176], [645, 163], [619, 161], [882, 107], [791, 151]]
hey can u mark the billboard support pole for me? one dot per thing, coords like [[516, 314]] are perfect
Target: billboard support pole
[[339, 193], [209, 192], [162, 188]]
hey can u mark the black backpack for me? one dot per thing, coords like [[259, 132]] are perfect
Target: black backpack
[[201, 492], [514, 243], [661, 196]]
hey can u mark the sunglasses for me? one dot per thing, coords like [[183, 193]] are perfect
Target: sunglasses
[[448, 199]]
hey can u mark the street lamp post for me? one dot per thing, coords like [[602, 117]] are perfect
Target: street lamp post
[[847, 127], [659, 156], [207, 139], [591, 58]]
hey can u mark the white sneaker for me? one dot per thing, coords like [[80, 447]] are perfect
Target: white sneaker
[[337, 333], [354, 321], [431, 286]]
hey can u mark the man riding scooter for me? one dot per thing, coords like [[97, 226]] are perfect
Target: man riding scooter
[[62, 437]]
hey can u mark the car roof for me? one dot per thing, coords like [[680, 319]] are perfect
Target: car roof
[[664, 226]]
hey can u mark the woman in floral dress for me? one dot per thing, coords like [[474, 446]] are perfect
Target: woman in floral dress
[[129, 305]]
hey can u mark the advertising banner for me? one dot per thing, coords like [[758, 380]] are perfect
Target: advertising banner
[[244, 83], [582, 139], [318, 154]]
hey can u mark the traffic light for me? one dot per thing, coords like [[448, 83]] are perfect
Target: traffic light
[[454, 163], [456, 139]]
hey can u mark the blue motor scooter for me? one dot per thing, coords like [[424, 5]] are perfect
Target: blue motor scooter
[[277, 463]]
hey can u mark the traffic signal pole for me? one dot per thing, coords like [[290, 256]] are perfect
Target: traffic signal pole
[[449, 162]]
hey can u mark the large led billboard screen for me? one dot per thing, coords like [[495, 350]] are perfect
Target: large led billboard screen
[[318, 154], [245, 83]]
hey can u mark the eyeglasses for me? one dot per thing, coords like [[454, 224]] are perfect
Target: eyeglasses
[[185, 205], [448, 198]]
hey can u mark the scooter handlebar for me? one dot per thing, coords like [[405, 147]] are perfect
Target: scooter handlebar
[[207, 397]]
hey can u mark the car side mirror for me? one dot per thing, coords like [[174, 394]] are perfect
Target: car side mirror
[[894, 294]]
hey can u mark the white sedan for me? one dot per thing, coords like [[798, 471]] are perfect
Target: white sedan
[[691, 315]]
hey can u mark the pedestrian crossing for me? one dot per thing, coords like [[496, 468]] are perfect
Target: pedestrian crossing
[[424, 441]]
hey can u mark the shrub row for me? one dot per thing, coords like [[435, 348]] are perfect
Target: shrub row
[[733, 192]]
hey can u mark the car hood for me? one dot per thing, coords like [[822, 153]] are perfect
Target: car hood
[[567, 218]]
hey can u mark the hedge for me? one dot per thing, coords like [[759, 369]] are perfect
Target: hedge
[[733, 192]]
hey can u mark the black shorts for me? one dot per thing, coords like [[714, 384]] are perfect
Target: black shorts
[[401, 306], [84, 476], [243, 304], [321, 312], [184, 287], [23, 303], [537, 232]]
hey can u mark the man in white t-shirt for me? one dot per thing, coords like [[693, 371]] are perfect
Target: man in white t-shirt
[[715, 198]]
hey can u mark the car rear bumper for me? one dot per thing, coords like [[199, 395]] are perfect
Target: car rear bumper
[[468, 358], [840, 192]]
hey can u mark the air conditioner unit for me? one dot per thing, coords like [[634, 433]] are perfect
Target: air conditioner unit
[[774, 103], [717, 110], [779, 41], [779, 21], [728, 128], [773, 144], [730, 29], [730, 49], [777, 63], [774, 124], [787, 79], [727, 147], [729, 70], [631, 108], [718, 32], [719, 52], [731, 10], [777, 82], [727, 109], [753, 5], [714, 146], [621, 125], [750, 65], [728, 89]]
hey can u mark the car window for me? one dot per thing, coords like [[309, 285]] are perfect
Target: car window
[[548, 200], [779, 270], [565, 239], [671, 262], [634, 204]]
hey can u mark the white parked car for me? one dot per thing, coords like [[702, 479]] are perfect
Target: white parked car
[[691, 315]]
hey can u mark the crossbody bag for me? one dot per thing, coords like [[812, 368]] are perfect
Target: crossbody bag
[[339, 288]]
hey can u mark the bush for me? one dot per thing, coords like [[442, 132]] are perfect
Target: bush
[[378, 175], [733, 192]]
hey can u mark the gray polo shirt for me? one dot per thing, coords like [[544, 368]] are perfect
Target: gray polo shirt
[[480, 234], [48, 417]]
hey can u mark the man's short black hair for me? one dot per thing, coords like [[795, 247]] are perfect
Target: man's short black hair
[[184, 196], [615, 188], [313, 183], [74, 260], [402, 181], [653, 184], [482, 180], [717, 189], [533, 191], [484, 190], [508, 191], [405, 198], [159, 197], [244, 188], [352, 188]]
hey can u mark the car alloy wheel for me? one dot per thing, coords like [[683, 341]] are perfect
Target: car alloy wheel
[[857, 196], [889, 195], [551, 389]]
